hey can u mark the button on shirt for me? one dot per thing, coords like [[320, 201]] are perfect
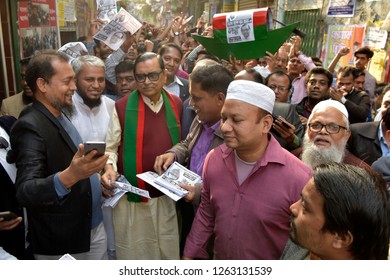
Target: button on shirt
[[92, 124], [201, 148]]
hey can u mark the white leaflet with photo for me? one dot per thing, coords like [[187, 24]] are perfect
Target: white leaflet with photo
[[169, 181], [107, 9], [239, 27], [113, 34]]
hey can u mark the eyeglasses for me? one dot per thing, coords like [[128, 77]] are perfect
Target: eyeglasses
[[280, 88], [331, 128], [152, 76]]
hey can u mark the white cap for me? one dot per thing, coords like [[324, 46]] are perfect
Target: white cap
[[253, 93], [73, 50], [330, 103]]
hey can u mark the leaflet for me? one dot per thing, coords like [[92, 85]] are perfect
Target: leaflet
[[113, 34], [122, 186], [169, 181]]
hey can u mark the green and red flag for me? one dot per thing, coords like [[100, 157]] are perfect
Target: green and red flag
[[245, 34]]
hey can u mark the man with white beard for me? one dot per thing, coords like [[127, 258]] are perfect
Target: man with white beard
[[326, 136]]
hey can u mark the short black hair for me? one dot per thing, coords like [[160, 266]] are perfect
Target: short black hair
[[124, 66], [364, 50], [358, 72], [166, 46], [279, 73], [386, 119], [212, 78], [346, 71], [356, 201], [41, 66], [147, 56], [320, 70]]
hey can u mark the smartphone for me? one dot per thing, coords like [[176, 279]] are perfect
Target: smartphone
[[283, 122], [99, 146], [8, 216]]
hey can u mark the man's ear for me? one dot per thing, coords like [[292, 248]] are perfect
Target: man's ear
[[342, 240], [41, 84], [268, 121], [221, 98]]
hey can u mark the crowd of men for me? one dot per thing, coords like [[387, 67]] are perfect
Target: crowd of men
[[292, 164]]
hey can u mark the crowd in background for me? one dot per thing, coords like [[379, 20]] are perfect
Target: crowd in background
[[282, 143]]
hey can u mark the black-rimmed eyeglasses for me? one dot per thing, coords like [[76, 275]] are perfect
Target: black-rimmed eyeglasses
[[331, 128], [152, 76]]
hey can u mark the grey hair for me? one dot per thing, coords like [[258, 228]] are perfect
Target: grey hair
[[80, 61]]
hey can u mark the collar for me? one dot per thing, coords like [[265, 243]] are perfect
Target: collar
[[176, 80], [351, 91], [380, 132], [213, 127], [155, 107]]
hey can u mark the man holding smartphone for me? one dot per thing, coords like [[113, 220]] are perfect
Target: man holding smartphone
[[56, 182]]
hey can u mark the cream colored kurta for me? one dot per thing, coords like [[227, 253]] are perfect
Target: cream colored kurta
[[143, 231]]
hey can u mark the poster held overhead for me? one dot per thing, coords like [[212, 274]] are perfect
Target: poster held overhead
[[245, 34]]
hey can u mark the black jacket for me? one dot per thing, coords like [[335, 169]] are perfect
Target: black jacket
[[364, 142], [42, 148], [184, 89], [358, 106]]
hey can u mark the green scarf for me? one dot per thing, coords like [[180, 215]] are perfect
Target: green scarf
[[134, 133]]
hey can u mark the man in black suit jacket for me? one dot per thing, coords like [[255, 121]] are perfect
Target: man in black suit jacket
[[368, 140], [55, 181], [364, 142]]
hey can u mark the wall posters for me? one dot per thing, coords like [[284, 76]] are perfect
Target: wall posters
[[339, 36], [38, 26]]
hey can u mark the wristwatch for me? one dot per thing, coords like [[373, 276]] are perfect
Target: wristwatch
[[176, 33]]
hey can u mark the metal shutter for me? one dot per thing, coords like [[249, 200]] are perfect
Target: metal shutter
[[311, 25], [247, 4]]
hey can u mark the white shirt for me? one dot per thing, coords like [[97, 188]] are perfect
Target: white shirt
[[114, 132], [92, 124], [174, 87]]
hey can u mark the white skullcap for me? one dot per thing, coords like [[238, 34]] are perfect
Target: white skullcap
[[73, 50], [330, 103], [253, 93]]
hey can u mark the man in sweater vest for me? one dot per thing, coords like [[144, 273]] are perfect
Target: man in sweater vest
[[144, 125]]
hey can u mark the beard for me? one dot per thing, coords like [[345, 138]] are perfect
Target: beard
[[67, 109], [91, 103], [293, 231], [314, 155]]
